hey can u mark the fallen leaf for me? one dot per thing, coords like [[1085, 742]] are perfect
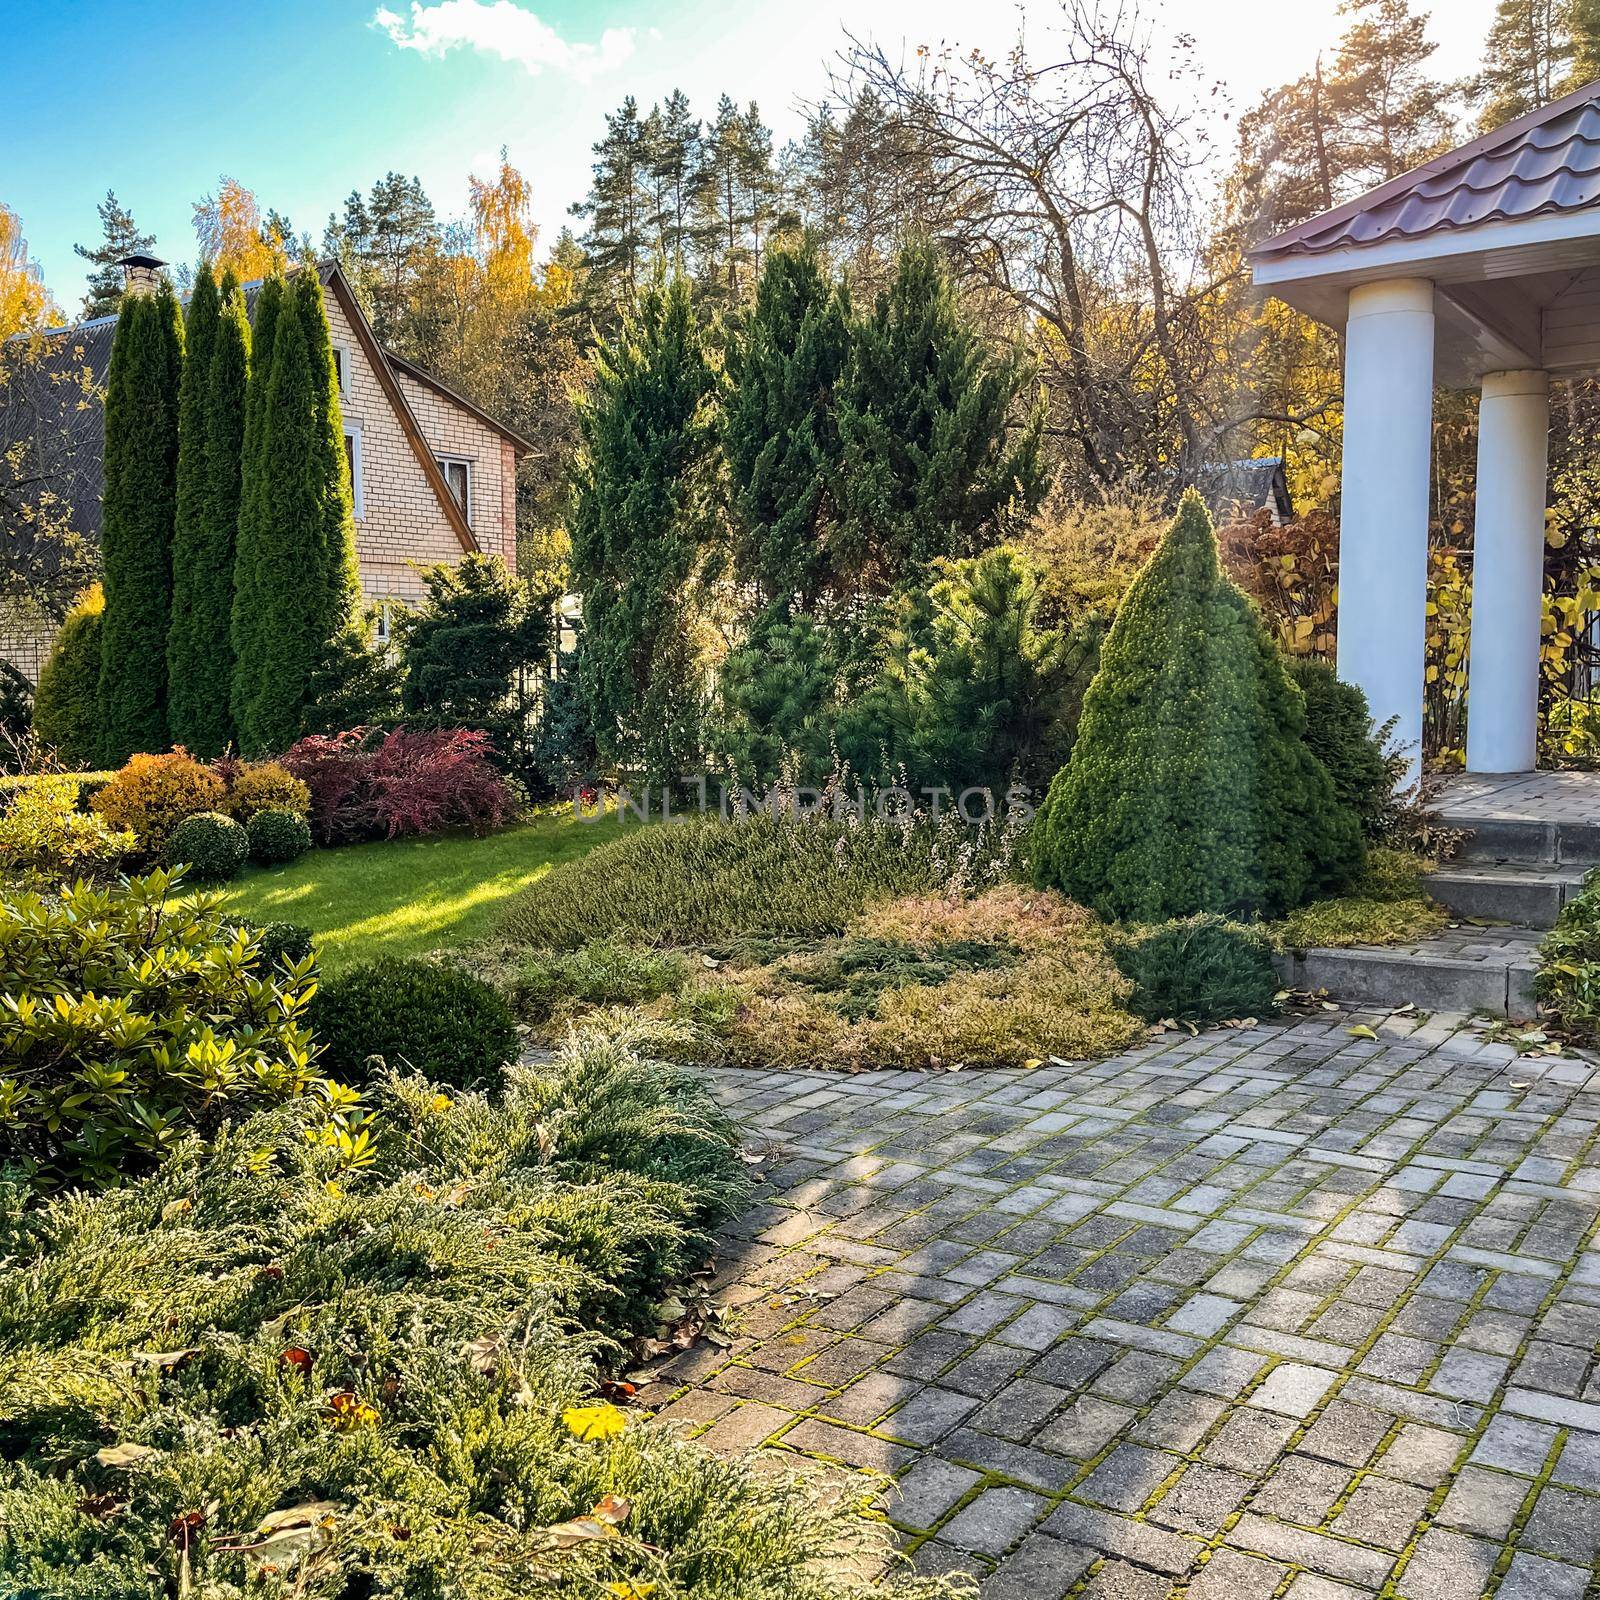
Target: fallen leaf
[[1361, 1031], [1400, 1011], [284, 1536], [1031, 1063], [162, 1358], [589, 1424], [627, 1590], [123, 1456], [483, 1355], [350, 1410], [297, 1357], [174, 1209], [601, 1523]]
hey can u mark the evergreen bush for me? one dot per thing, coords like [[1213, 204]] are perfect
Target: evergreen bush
[[211, 845], [416, 1016], [1340, 733], [45, 834], [139, 1012], [255, 786], [468, 648], [1202, 968], [1190, 786], [153, 794], [66, 710], [380, 1378], [277, 942], [644, 499], [1567, 982], [706, 880], [277, 837]]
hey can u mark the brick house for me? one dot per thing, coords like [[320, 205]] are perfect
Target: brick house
[[431, 475]]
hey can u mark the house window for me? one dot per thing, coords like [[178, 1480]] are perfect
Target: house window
[[341, 366], [383, 626], [458, 477], [352, 456]]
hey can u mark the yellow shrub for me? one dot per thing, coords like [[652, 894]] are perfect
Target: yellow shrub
[[43, 831], [153, 794], [266, 786], [1067, 1004], [1029, 919]]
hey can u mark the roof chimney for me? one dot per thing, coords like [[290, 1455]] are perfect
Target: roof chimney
[[140, 273]]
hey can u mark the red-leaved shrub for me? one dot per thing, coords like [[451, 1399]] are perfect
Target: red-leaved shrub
[[370, 785]]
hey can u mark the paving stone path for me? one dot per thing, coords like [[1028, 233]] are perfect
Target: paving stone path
[[1268, 1312]]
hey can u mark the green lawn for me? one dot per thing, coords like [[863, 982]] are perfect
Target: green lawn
[[412, 895]]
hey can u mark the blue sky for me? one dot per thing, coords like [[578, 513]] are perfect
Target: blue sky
[[303, 100]]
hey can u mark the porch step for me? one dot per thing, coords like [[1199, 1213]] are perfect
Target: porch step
[[1463, 969], [1524, 839], [1528, 893]]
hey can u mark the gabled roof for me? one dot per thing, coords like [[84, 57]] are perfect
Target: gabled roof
[[73, 435], [1543, 163]]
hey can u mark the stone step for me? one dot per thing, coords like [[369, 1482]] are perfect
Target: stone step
[[1524, 839], [1463, 969], [1529, 893]]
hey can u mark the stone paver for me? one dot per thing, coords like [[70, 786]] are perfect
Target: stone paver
[[1273, 1312]]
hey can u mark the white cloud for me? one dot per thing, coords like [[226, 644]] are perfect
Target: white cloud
[[505, 29]]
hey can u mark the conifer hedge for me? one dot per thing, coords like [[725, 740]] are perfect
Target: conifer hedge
[[186, 680], [211, 434], [1191, 787], [295, 579], [141, 457]]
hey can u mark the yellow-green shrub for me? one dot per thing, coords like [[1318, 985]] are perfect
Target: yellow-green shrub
[[43, 832], [153, 794], [133, 1013], [265, 786]]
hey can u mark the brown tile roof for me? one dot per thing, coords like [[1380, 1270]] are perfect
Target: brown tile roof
[[1547, 161]]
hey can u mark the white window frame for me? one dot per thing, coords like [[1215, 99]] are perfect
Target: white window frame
[[341, 368], [352, 432], [458, 461], [383, 627]]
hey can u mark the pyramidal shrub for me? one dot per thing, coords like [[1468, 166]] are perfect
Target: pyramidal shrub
[[1191, 787]]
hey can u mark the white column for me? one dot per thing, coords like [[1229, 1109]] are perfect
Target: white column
[[1383, 520], [1508, 572]]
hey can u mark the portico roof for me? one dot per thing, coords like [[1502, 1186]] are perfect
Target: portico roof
[[1507, 228]]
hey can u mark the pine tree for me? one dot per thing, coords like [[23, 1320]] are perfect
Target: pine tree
[[1526, 59], [641, 512], [120, 237], [672, 152], [295, 583], [1387, 113], [979, 690], [383, 241], [780, 435], [1190, 787], [931, 457], [253, 527], [617, 206], [140, 466], [189, 686]]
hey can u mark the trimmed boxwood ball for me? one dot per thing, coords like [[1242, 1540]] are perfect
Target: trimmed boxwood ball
[[282, 941], [1198, 969], [213, 846], [438, 1021], [278, 836]]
